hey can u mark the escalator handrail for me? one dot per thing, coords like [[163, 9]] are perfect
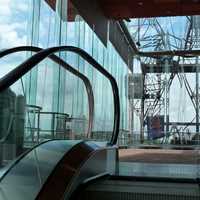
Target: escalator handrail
[[18, 72], [66, 66]]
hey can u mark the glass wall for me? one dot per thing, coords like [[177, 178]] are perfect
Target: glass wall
[[53, 31], [52, 102]]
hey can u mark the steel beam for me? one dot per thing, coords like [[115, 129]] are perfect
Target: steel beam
[[184, 68]]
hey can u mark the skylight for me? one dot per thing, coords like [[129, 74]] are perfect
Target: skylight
[[166, 33]]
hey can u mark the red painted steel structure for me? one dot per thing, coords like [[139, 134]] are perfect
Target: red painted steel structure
[[72, 12], [123, 9]]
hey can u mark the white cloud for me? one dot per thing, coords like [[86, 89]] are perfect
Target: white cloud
[[5, 8], [7, 65], [9, 36], [23, 7], [12, 29]]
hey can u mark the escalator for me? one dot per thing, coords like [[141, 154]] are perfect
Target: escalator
[[119, 189], [49, 171], [77, 169], [33, 175], [13, 106]]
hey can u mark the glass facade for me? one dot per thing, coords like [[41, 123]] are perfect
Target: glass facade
[[52, 88], [54, 102]]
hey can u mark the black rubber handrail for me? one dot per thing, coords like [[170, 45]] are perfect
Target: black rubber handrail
[[4, 82], [23, 68]]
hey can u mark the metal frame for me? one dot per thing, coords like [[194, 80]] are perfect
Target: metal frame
[[4, 81], [27, 65], [39, 113], [186, 53], [155, 54]]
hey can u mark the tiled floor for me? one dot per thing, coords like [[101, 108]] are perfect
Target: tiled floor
[[159, 156]]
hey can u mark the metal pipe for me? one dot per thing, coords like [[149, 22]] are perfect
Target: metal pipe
[[128, 37], [65, 66], [181, 53], [197, 97]]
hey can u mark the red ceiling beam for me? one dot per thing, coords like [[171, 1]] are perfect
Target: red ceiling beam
[[121, 9], [52, 3], [71, 11]]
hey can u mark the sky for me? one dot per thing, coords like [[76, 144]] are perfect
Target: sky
[[13, 26], [13, 22], [146, 30]]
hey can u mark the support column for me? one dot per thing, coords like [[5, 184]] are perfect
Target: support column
[[197, 96], [142, 114]]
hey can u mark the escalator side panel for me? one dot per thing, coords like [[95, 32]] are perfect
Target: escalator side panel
[[25, 179], [91, 160], [95, 166]]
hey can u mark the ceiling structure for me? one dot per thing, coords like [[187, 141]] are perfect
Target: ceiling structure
[[180, 37], [124, 9], [71, 11]]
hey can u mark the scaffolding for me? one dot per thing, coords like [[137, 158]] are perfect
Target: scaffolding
[[162, 72]]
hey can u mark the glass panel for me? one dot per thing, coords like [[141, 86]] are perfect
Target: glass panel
[[24, 125], [81, 35], [50, 102], [26, 178]]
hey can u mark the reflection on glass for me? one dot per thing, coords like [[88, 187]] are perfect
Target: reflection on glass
[[26, 178], [49, 102]]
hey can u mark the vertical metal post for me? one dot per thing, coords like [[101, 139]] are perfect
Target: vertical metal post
[[38, 127], [142, 113], [142, 122], [132, 118], [167, 107], [53, 126], [197, 96]]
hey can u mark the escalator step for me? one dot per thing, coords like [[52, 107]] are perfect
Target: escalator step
[[127, 190]]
